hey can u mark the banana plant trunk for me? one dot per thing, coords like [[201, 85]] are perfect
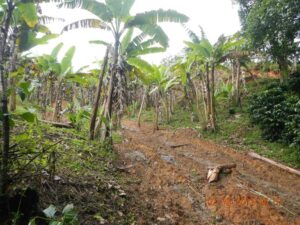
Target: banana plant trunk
[[208, 92], [237, 85], [98, 94], [141, 108], [4, 107], [58, 102], [212, 99], [156, 113], [108, 108], [12, 67]]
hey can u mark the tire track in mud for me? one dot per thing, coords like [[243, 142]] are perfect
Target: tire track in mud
[[171, 186]]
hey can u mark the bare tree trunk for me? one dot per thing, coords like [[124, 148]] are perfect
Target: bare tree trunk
[[170, 103], [98, 94], [5, 120], [167, 109], [58, 103], [208, 96], [202, 83], [82, 100], [191, 85], [237, 84], [212, 99], [12, 81], [141, 108], [44, 96], [108, 107], [51, 89], [156, 117], [13, 96], [97, 132], [284, 68]]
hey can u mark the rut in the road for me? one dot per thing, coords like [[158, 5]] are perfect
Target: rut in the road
[[170, 187]]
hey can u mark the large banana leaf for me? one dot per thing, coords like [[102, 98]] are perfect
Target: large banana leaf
[[141, 64], [157, 34], [126, 40], [120, 8], [28, 38], [87, 23], [135, 42], [193, 36], [43, 19], [56, 50], [146, 51], [99, 42], [28, 13], [157, 16], [99, 9], [66, 63]]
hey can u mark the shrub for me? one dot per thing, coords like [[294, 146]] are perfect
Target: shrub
[[267, 110], [276, 110], [294, 83]]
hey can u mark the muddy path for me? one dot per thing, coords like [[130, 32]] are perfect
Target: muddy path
[[169, 186]]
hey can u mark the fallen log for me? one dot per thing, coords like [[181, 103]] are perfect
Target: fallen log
[[213, 173], [57, 124], [178, 146], [272, 162]]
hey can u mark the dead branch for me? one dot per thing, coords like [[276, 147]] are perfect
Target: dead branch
[[283, 167], [213, 173], [178, 146], [57, 124]]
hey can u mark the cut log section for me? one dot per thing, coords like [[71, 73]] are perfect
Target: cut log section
[[213, 173], [57, 124], [272, 162]]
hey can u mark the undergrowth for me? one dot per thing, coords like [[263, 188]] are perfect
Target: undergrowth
[[67, 169]]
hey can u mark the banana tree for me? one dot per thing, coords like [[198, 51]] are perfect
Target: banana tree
[[131, 47], [114, 16], [25, 30], [61, 69], [9, 10], [160, 81], [209, 57]]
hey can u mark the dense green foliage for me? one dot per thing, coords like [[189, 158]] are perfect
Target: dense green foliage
[[276, 111], [272, 27]]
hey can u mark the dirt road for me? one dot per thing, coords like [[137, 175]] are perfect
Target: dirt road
[[169, 186]]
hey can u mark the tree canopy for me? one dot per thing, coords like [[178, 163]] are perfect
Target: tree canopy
[[272, 27]]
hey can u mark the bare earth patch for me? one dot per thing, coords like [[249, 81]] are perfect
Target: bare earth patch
[[168, 184]]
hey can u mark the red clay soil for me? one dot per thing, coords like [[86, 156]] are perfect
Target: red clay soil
[[169, 184]]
